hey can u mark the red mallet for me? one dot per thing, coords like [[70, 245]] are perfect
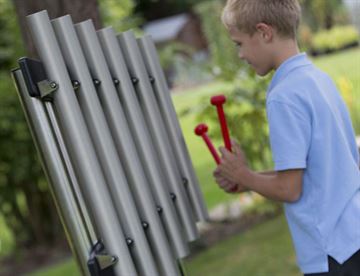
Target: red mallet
[[201, 130], [218, 101]]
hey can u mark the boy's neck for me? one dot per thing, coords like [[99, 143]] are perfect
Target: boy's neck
[[284, 50]]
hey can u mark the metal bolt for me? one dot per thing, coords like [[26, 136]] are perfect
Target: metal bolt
[[114, 259], [116, 81], [145, 225], [53, 85], [134, 80], [129, 241], [159, 209], [173, 196], [152, 79], [76, 84], [185, 181], [97, 82]]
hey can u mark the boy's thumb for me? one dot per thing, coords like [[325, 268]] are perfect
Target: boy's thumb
[[236, 148]]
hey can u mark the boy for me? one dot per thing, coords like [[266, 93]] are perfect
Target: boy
[[316, 160]]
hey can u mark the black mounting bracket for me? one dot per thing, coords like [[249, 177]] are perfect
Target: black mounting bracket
[[100, 263]]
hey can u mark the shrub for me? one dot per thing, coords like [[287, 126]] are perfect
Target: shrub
[[246, 117], [334, 39], [224, 61]]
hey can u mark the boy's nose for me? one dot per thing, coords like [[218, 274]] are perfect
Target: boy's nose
[[241, 55]]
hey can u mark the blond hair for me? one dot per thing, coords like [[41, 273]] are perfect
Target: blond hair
[[283, 15]]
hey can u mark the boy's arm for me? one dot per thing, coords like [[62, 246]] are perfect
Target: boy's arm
[[267, 173], [283, 186]]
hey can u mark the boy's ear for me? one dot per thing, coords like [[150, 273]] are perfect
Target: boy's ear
[[266, 31]]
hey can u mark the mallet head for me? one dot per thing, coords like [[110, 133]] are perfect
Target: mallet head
[[201, 129], [218, 100]]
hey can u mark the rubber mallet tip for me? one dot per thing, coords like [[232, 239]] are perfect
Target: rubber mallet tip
[[201, 129], [217, 100]]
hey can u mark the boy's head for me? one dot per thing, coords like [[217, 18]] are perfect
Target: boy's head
[[283, 15], [262, 28]]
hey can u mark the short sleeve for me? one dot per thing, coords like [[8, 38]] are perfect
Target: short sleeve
[[290, 136]]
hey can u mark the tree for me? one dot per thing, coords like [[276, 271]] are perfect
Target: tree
[[79, 10], [154, 9]]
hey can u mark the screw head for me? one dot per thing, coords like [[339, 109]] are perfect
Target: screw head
[[145, 225], [129, 241], [53, 85], [159, 209], [134, 80]]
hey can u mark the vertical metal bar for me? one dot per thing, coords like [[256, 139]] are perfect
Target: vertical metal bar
[[78, 140], [90, 231], [155, 122], [141, 136], [168, 112], [103, 142], [54, 169]]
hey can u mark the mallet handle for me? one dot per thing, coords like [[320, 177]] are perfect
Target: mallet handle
[[224, 128], [211, 148], [219, 101]]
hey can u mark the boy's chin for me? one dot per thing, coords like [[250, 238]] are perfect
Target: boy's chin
[[262, 72]]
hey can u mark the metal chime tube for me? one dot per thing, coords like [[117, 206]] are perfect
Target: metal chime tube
[[89, 226], [142, 139], [160, 138], [173, 128], [78, 236], [77, 138], [103, 142]]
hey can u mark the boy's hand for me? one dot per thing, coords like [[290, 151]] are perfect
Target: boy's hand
[[225, 174], [232, 163], [226, 185]]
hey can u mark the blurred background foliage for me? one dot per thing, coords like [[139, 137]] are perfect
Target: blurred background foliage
[[24, 196], [28, 217], [120, 14]]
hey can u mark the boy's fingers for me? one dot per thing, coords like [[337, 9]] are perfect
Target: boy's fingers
[[235, 146], [237, 149], [233, 141], [224, 151]]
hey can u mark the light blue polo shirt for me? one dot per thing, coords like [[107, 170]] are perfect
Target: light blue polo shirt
[[310, 129]]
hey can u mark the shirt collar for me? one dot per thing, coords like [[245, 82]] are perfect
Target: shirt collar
[[287, 66]]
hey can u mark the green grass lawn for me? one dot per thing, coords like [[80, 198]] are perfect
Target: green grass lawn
[[265, 250], [344, 64], [67, 268], [344, 68]]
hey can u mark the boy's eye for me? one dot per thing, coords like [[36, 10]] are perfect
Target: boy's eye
[[237, 44]]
